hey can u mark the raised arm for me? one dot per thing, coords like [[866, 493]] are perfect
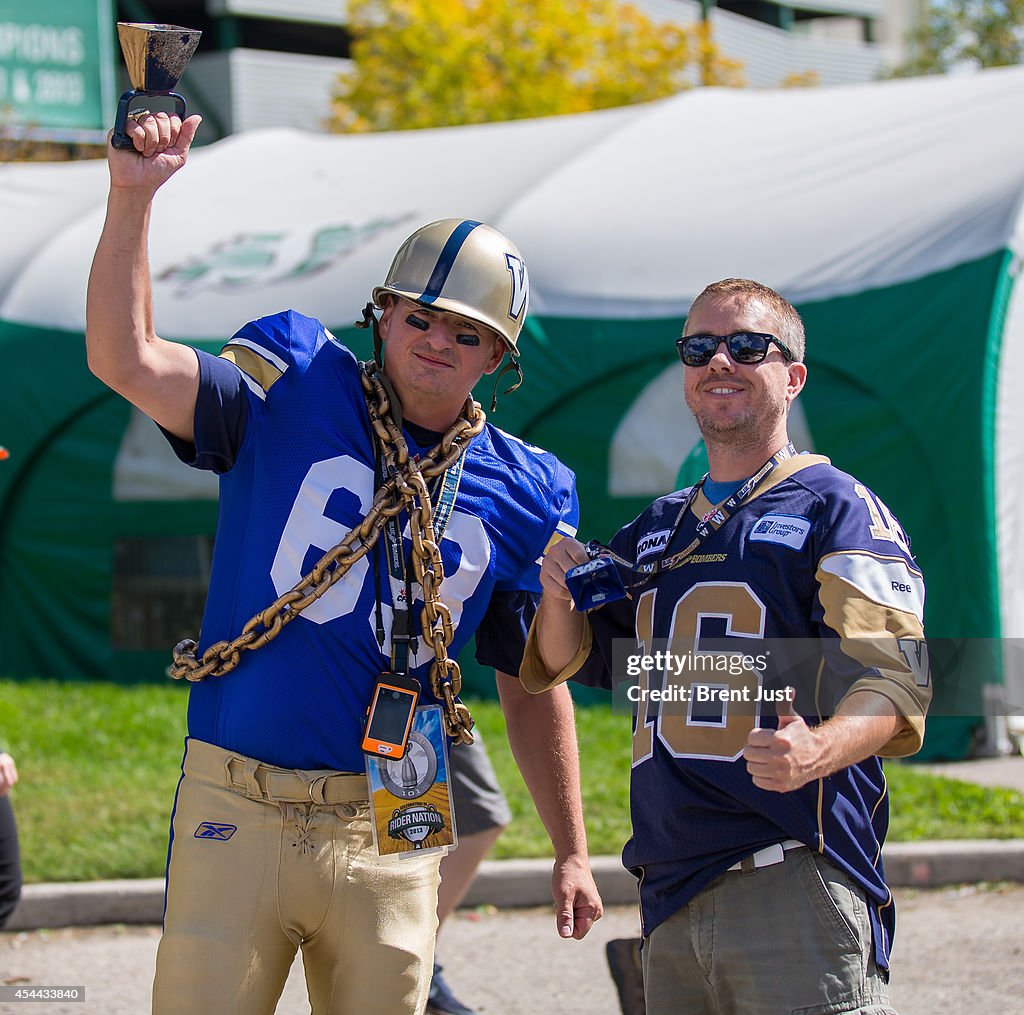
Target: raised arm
[[159, 377]]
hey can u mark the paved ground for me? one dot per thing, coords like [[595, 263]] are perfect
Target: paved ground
[[1008, 771], [958, 950]]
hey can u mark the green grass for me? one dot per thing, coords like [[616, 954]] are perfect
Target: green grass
[[927, 806], [605, 756], [99, 764]]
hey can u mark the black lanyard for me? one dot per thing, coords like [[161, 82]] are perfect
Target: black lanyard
[[711, 522], [446, 489]]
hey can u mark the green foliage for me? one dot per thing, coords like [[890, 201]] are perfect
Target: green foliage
[[801, 79], [99, 764], [422, 63], [966, 33]]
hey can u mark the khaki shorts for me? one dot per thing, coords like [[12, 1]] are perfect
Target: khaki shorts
[[793, 938], [265, 861], [479, 803]]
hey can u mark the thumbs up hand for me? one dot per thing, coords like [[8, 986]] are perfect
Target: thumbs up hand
[[786, 709], [787, 757]]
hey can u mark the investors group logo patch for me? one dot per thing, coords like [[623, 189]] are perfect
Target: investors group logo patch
[[787, 530]]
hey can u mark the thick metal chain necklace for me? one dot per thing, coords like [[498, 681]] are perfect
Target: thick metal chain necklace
[[405, 488]]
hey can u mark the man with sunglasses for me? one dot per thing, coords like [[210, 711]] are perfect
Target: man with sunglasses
[[773, 634]]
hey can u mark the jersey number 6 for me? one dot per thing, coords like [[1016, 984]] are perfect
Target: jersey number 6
[[309, 524]]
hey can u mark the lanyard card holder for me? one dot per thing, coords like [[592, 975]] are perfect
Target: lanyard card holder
[[411, 799]]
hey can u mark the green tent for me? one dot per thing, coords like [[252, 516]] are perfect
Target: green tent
[[889, 213]]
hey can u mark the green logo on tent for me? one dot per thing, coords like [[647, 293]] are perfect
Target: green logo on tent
[[261, 259]]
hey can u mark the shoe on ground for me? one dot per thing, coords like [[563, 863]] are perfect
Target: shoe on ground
[[624, 964], [441, 1000]]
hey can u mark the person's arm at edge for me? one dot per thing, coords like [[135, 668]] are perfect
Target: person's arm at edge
[[8, 773], [161, 378], [542, 734]]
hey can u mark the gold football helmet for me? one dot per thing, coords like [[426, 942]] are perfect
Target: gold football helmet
[[467, 268], [461, 266]]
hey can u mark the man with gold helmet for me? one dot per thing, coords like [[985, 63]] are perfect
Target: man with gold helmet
[[360, 503]]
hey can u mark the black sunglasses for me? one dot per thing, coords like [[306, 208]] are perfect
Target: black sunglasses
[[744, 347]]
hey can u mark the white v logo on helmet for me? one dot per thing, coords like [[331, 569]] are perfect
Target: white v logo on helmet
[[520, 285]]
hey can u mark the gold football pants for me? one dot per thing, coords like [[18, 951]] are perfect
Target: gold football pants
[[265, 861]]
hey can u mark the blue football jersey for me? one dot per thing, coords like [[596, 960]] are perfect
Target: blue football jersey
[[811, 579], [281, 416]]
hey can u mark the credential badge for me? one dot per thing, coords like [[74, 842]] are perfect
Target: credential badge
[[414, 774]]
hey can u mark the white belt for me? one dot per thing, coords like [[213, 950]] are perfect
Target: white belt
[[773, 854]]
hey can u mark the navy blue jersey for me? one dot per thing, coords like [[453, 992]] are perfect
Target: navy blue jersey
[[281, 416], [813, 570]]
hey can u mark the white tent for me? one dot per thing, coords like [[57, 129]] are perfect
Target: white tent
[[889, 213]]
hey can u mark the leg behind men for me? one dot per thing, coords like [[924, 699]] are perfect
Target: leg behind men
[[10, 861], [482, 813]]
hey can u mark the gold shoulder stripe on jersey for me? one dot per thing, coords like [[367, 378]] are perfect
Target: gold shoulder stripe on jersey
[[701, 505], [785, 469], [253, 365]]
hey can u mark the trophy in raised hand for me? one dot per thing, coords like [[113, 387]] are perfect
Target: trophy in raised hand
[[156, 56]]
